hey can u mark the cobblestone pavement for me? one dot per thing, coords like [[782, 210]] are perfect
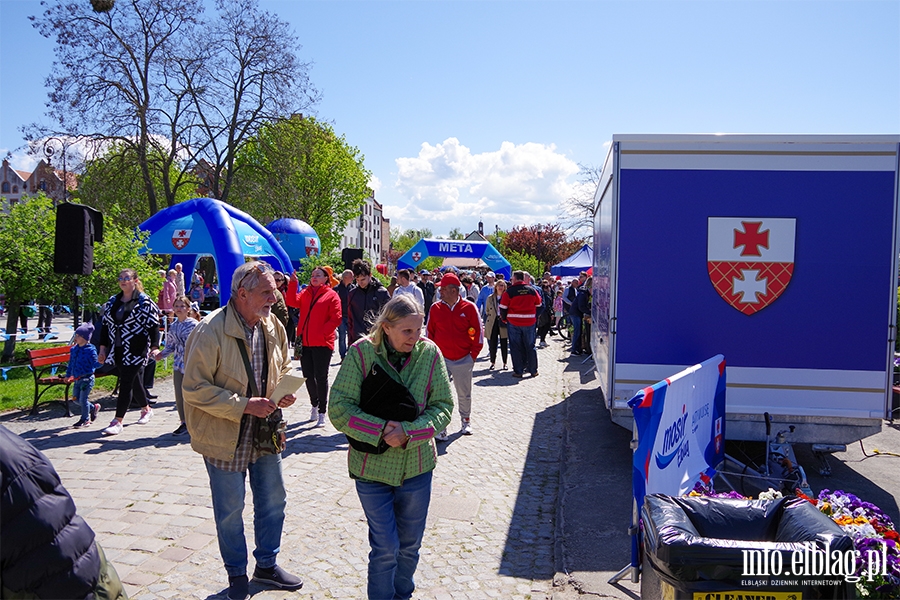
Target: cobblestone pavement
[[491, 526]]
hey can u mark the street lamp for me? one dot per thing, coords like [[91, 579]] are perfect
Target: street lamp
[[539, 229], [48, 153]]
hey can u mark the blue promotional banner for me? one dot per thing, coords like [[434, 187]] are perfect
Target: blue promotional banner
[[680, 425], [455, 249]]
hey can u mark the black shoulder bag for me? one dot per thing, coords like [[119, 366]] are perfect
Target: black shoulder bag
[[384, 397], [269, 434]]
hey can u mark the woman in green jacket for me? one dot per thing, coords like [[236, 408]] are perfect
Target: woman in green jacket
[[394, 488]]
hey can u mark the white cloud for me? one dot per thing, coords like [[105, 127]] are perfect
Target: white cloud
[[19, 159], [447, 186], [375, 184]]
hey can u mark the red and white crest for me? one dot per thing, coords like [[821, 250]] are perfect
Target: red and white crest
[[416, 256], [750, 260], [180, 238], [312, 246]]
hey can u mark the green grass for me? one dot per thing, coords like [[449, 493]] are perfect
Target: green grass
[[17, 392]]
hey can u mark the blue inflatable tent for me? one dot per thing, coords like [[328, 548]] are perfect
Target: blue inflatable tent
[[205, 226]]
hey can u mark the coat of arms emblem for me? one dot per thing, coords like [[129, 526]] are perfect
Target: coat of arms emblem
[[750, 260], [416, 256], [180, 238]]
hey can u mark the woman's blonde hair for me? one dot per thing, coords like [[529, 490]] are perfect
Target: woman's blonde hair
[[396, 309], [138, 284], [500, 283]]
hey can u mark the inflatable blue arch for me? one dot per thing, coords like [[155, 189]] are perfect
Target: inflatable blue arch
[[456, 249], [205, 226]]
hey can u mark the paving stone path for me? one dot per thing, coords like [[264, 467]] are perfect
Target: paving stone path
[[491, 524]]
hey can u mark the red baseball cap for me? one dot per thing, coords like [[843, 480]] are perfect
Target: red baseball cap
[[449, 279]]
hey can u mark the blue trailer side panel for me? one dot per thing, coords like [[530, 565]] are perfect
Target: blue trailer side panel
[[830, 316]]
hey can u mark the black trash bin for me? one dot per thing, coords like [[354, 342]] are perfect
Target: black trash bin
[[701, 548]]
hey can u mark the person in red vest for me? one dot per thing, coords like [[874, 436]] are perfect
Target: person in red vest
[[518, 309], [455, 326]]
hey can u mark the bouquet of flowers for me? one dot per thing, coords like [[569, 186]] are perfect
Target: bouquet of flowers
[[706, 489], [871, 530]]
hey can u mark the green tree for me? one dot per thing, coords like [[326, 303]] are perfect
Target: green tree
[[332, 259], [27, 236], [112, 184], [26, 263], [120, 249], [456, 234], [522, 261], [300, 168], [548, 243]]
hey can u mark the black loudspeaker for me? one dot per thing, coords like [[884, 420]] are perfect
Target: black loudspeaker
[[77, 228], [348, 255]]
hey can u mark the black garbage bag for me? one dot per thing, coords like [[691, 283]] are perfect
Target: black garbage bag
[[721, 548]]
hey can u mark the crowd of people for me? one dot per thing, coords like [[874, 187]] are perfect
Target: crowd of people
[[400, 348]]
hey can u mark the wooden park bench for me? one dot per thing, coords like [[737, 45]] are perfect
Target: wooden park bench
[[48, 365]]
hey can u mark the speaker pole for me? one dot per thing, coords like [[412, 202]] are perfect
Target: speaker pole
[[75, 308]]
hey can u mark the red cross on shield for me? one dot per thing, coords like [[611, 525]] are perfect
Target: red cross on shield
[[181, 238], [416, 256], [750, 259]]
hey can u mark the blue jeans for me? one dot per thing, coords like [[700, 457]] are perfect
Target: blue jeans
[[342, 338], [521, 347], [81, 389], [576, 333], [396, 517], [269, 499]]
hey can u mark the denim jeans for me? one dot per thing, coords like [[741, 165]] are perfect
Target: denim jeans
[[81, 389], [342, 338], [396, 517], [521, 347], [269, 499], [576, 333]]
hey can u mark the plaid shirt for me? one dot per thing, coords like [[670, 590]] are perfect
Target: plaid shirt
[[245, 453]]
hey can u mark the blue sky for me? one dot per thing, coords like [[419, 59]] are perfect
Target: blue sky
[[467, 110]]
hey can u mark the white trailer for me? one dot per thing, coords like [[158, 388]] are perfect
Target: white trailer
[[778, 251]]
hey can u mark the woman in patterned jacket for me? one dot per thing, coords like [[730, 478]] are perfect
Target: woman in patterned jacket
[[394, 488], [130, 329]]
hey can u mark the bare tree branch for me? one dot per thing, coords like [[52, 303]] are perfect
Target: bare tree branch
[[577, 211]]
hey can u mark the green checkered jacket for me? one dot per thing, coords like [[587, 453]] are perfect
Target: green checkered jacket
[[425, 375]]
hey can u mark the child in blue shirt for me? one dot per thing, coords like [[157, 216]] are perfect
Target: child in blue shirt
[[80, 370]]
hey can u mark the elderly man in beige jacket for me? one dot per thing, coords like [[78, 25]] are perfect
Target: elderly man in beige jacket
[[234, 360]]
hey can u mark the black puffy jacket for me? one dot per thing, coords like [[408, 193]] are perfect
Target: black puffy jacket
[[48, 551], [363, 307]]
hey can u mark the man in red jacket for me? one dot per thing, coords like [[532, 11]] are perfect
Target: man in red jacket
[[454, 325], [518, 309]]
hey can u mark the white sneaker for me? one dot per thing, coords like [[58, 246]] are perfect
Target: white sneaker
[[321, 421], [115, 428], [145, 416], [466, 427], [442, 436], [314, 413]]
